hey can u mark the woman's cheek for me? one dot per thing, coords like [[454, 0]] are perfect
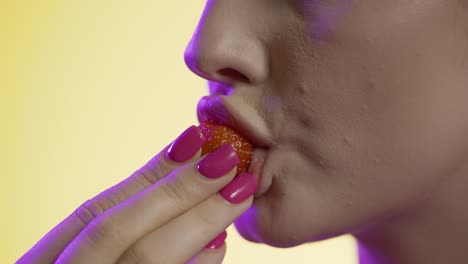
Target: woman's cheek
[[322, 17]]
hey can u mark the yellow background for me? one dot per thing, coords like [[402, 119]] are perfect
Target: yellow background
[[92, 90]]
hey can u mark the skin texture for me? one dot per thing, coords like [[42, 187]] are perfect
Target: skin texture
[[367, 103]]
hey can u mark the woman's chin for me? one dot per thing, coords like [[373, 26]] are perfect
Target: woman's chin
[[245, 225], [250, 226]]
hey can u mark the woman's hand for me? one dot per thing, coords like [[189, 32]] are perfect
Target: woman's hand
[[165, 212]]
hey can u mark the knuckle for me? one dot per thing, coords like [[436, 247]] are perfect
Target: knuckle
[[84, 214], [103, 228], [88, 211], [176, 191], [154, 170], [159, 166], [92, 208], [145, 177], [163, 167]]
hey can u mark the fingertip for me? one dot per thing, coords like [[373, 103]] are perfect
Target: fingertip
[[210, 256], [218, 241]]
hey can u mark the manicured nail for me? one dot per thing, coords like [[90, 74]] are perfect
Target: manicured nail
[[240, 188], [218, 241], [186, 145], [218, 162]]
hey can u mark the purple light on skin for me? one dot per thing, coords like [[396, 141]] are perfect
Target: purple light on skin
[[367, 256], [324, 17], [245, 225], [54, 242], [192, 52], [215, 88]]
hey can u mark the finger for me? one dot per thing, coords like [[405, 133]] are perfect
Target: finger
[[213, 253], [48, 248], [54, 242], [184, 236], [118, 228]]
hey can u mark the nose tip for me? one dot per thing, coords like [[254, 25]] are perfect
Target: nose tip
[[219, 66], [225, 58]]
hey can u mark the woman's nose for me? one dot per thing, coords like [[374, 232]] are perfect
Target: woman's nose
[[223, 48]]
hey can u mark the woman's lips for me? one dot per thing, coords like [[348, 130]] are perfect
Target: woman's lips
[[256, 169], [233, 111]]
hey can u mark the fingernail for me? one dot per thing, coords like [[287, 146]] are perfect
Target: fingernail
[[218, 162], [239, 189], [218, 241], [186, 145]]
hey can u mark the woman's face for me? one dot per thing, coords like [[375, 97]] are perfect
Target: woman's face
[[367, 101]]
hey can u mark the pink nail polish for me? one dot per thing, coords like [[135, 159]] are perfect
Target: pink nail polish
[[218, 162], [218, 241], [186, 145], [239, 189]]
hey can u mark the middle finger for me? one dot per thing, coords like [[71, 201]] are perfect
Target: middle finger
[[184, 236]]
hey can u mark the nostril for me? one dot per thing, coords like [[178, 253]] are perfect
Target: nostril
[[232, 74]]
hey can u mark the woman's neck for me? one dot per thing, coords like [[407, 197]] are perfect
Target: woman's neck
[[437, 232]]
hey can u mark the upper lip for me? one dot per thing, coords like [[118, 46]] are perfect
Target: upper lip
[[234, 112]]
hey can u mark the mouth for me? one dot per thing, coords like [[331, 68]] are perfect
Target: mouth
[[256, 169], [234, 112]]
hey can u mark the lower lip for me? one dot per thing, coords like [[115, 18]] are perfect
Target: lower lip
[[256, 169]]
